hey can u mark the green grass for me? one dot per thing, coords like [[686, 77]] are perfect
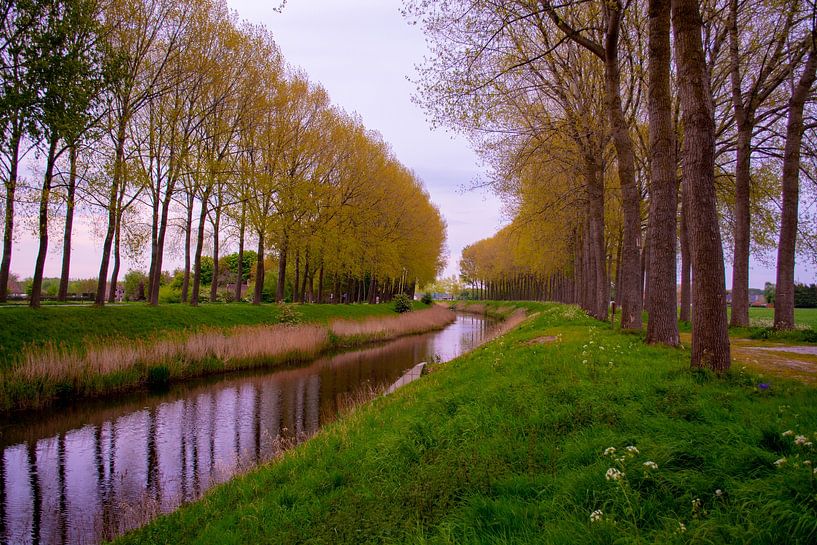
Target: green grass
[[506, 445], [73, 325], [761, 328]]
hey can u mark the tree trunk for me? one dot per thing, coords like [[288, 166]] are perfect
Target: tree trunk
[[631, 295], [194, 297], [282, 271], [239, 280], [116, 252], [259, 272], [8, 232], [372, 290], [740, 262], [302, 297], [596, 274], [710, 335], [37, 280], [188, 231], [214, 283], [662, 326], [69, 224], [786, 249], [320, 284], [160, 245], [295, 286], [118, 174], [743, 157]]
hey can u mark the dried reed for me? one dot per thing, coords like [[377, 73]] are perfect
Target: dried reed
[[45, 372], [376, 329]]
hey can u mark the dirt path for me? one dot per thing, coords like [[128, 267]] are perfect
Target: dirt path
[[791, 361]]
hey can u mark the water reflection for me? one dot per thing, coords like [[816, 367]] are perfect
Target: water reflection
[[90, 471]]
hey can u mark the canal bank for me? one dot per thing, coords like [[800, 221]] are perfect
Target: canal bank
[[103, 366], [507, 445], [92, 470]]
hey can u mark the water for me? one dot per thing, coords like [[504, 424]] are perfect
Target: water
[[87, 472]]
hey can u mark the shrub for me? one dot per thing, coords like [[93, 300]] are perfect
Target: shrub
[[225, 296], [135, 282], [427, 299], [288, 315], [168, 294], [401, 303]]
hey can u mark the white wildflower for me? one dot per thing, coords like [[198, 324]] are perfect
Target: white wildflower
[[807, 463], [609, 451], [719, 492], [696, 504], [584, 361], [681, 528], [650, 465], [787, 433], [800, 440], [613, 474], [780, 462], [596, 515], [631, 450]]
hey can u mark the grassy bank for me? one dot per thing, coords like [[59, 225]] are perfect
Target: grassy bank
[[507, 445], [42, 372], [74, 325]]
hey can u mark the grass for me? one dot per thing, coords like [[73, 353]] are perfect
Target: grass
[[762, 326], [89, 365], [73, 326], [506, 445]]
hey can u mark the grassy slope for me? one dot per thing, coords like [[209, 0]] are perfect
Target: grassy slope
[[505, 446], [74, 324]]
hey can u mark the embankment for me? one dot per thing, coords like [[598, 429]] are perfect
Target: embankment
[[563, 431], [48, 372]]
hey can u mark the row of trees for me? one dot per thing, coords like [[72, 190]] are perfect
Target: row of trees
[[619, 130], [173, 126]]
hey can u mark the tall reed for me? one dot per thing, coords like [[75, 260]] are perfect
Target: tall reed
[[378, 329], [54, 371]]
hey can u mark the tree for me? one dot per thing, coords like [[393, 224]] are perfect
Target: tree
[[68, 70], [710, 336], [18, 96], [662, 326], [784, 294]]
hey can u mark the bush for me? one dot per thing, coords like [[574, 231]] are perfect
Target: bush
[[401, 303], [225, 296], [427, 298], [288, 315], [168, 294], [135, 282]]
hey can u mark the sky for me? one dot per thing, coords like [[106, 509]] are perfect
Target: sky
[[363, 52]]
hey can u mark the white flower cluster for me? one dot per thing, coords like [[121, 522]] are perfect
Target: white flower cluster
[[681, 528], [596, 515], [631, 450], [650, 465], [781, 462], [802, 441], [613, 474], [696, 505]]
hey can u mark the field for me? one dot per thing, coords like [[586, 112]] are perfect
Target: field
[[563, 431], [765, 316]]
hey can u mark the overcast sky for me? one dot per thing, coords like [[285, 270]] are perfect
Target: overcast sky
[[362, 52]]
